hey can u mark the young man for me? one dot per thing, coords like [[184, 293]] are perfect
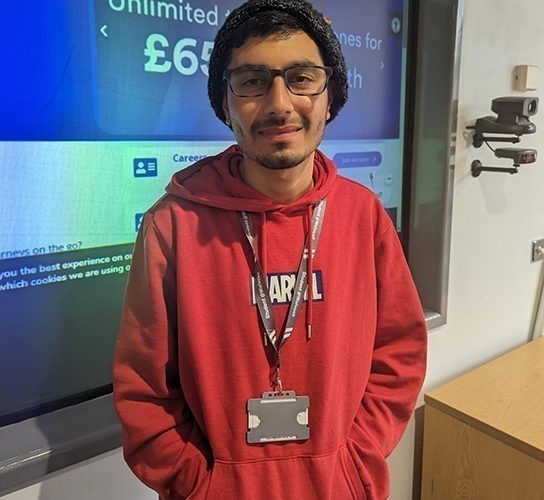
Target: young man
[[272, 343]]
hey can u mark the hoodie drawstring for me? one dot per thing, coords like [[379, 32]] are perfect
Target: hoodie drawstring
[[310, 272], [263, 246]]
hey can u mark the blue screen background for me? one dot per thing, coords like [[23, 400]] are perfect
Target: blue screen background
[[76, 71]]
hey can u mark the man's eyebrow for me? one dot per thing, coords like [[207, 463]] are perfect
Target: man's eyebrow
[[292, 64], [249, 67], [305, 62]]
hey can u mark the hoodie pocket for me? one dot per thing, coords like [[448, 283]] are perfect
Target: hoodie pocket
[[333, 476], [348, 482]]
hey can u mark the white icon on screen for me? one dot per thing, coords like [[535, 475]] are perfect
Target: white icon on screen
[[145, 167]]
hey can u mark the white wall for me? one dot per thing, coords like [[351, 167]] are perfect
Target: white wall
[[493, 285]]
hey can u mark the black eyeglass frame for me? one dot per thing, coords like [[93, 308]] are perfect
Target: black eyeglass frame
[[273, 74]]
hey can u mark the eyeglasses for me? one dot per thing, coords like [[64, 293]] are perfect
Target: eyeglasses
[[256, 81]]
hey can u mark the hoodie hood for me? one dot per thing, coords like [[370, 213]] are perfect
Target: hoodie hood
[[216, 182]]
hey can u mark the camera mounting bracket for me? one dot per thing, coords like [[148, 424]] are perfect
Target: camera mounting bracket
[[478, 139], [477, 168]]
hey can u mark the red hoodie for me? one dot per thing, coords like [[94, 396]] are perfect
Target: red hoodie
[[191, 353]]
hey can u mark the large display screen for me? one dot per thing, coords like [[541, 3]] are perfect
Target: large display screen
[[101, 102]]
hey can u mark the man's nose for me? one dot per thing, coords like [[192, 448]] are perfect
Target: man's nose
[[278, 98]]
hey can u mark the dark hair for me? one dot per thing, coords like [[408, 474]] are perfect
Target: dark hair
[[275, 17]]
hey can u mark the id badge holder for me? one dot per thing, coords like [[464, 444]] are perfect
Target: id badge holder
[[278, 416]]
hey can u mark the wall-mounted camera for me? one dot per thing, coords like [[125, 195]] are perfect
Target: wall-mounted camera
[[512, 118], [512, 121], [520, 156]]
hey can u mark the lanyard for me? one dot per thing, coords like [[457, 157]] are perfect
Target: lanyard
[[264, 303]]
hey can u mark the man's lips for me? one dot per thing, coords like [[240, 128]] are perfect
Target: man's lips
[[283, 132]]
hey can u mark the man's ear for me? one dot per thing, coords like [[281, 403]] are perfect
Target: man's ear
[[330, 97], [225, 107]]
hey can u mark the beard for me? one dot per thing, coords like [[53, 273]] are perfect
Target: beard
[[280, 160], [282, 157]]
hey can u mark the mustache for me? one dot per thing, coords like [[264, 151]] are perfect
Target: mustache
[[277, 121]]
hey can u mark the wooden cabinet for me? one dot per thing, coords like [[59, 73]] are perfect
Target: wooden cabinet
[[484, 431]]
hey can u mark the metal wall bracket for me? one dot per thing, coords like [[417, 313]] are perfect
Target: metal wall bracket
[[538, 250], [477, 168]]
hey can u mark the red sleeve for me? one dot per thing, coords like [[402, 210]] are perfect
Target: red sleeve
[[162, 444], [399, 356]]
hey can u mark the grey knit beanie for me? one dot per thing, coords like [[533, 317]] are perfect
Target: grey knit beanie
[[313, 23]]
